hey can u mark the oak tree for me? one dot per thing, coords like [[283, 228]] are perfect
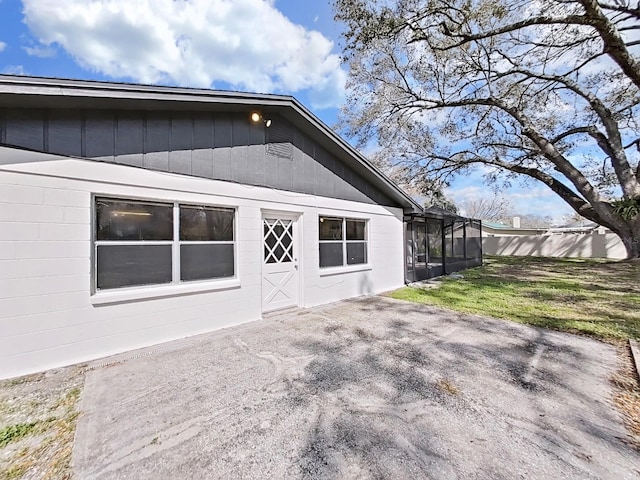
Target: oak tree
[[548, 90]]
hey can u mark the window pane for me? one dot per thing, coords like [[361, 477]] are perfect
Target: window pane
[[421, 239], [129, 265], [330, 228], [356, 253], [119, 220], [409, 246], [277, 255], [199, 262], [201, 224], [356, 229], [458, 240], [448, 243], [421, 244], [474, 240], [434, 228], [269, 238], [331, 255]]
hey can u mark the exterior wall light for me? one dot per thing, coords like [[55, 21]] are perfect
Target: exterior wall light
[[257, 117]]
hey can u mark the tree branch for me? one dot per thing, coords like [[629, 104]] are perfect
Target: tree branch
[[530, 22], [614, 45], [593, 132], [634, 12], [577, 203], [614, 149]]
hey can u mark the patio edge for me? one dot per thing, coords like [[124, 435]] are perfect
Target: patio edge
[[635, 355]]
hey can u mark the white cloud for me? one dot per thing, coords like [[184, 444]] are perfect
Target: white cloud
[[14, 70], [42, 51], [246, 43], [2, 46]]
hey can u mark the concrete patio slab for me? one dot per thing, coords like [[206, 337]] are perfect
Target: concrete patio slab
[[370, 388]]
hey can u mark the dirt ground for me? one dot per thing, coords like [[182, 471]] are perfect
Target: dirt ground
[[627, 394], [38, 418]]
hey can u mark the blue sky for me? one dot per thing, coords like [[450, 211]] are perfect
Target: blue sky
[[268, 46]]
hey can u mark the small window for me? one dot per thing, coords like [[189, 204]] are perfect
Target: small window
[[342, 241], [356, 242], [137, 242]]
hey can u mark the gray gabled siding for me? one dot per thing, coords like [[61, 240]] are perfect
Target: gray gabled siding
[[221, 146]]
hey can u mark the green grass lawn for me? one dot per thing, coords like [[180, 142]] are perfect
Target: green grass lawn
[[596, 298]]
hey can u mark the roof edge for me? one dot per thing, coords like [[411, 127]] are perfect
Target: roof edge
[[18, 84]]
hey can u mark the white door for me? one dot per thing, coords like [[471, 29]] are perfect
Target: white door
[[280, 285]]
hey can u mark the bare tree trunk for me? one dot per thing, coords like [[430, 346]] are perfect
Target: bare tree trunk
[[631, 245], [631, 240]]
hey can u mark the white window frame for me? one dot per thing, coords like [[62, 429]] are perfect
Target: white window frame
[[346, 266], [176, 286]]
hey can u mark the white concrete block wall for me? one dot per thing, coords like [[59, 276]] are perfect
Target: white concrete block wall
[[48, 316], [565, 245]]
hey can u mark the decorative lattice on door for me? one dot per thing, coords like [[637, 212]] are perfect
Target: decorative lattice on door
[[278, 240]]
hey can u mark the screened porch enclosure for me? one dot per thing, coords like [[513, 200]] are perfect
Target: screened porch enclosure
[[438, 243]]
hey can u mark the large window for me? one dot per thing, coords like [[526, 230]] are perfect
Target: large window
[[147, 243], [343, 241]]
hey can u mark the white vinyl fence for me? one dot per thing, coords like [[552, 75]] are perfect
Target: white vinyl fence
[[583, 245]]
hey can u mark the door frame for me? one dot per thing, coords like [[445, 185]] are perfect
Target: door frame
[[296, 217]]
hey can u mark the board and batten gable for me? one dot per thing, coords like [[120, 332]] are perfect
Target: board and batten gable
[[215, 145], [56, 162]]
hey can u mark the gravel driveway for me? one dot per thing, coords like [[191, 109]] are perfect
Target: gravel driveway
[[370, 388]]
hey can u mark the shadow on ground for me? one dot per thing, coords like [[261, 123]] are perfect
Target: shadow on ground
[[371, 388]]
